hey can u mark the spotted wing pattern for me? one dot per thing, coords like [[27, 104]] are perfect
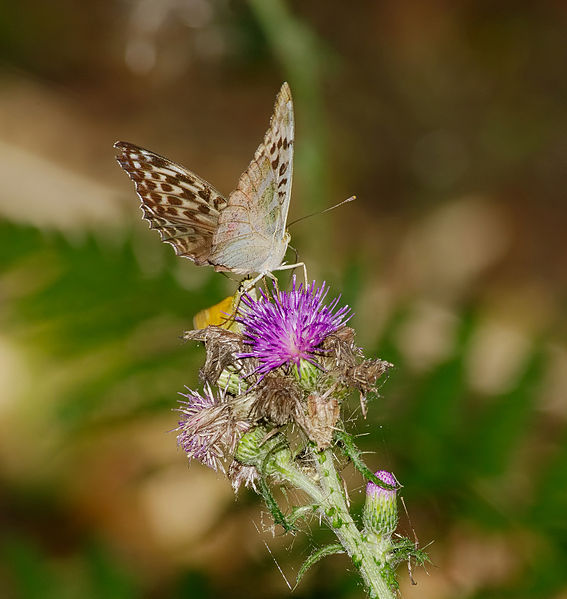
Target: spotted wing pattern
[[251, 235], [183, 207]]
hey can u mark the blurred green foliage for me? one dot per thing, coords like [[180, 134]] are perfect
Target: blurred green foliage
[[91, 297]]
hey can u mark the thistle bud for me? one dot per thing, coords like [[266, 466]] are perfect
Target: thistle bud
[[249, 449], [380, 514], [306, 374], [231, 382], [268, 453]]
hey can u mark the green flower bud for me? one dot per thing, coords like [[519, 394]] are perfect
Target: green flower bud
[[270, 454], [380, 514], [306, 374]]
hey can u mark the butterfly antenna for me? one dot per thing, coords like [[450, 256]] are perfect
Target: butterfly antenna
[[351, 199], [294, 251]]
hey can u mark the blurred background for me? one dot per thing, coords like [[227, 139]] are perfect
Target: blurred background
[[447, 120]]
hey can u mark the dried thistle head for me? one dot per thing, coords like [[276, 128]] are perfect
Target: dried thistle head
[[365, 375], [346, 364], [277, 400], [241, 474], [208, 431], [320, 419], [222, 347]]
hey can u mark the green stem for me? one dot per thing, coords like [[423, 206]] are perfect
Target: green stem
[[366, 553], [335, 511], [300, 480]]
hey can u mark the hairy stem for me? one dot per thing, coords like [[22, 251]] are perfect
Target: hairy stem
[[335, 512], [366, 554]]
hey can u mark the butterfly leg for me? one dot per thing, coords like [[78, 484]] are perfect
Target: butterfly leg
[[290, 266], [248, 284], [274, 280]]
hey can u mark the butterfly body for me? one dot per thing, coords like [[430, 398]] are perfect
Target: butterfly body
[[244, 233]]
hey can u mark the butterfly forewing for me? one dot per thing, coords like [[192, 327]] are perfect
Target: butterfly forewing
[[251, 234], [183, 207]]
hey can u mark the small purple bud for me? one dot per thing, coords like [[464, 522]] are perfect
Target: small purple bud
[[386, 477], [380, 514]]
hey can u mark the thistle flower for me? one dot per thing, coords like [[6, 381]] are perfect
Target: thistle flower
[[287, 327], [208, 430]]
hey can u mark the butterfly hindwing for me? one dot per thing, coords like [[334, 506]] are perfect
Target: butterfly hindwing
[[183, 207], [251, 232]]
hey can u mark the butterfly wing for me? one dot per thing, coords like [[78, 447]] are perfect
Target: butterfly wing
[[221, 314], [251, 235], [183, 207]]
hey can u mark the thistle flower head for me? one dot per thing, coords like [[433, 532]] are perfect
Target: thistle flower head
[[207, 429], [287, 327]]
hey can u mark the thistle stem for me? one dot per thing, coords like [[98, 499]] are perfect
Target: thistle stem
[[335, 512], [329, 496], [304, 482]]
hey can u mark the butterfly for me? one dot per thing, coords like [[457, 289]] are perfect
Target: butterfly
[[242, 234]]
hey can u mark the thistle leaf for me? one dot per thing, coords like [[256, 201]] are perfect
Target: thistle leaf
[[354, 454], [316, 556], [273, 506]]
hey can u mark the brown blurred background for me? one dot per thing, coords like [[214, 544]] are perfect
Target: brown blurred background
[[447, 120]]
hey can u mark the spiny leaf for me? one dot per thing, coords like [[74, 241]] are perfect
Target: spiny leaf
[[316, 556], [273, 506], [404, 549], [354, 454]]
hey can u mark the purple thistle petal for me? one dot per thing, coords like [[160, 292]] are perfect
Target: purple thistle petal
[[289, 326], [373, 489]]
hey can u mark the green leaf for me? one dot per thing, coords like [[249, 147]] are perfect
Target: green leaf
[[404, 549], [273, 506], [316, 556], [354, 454]]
